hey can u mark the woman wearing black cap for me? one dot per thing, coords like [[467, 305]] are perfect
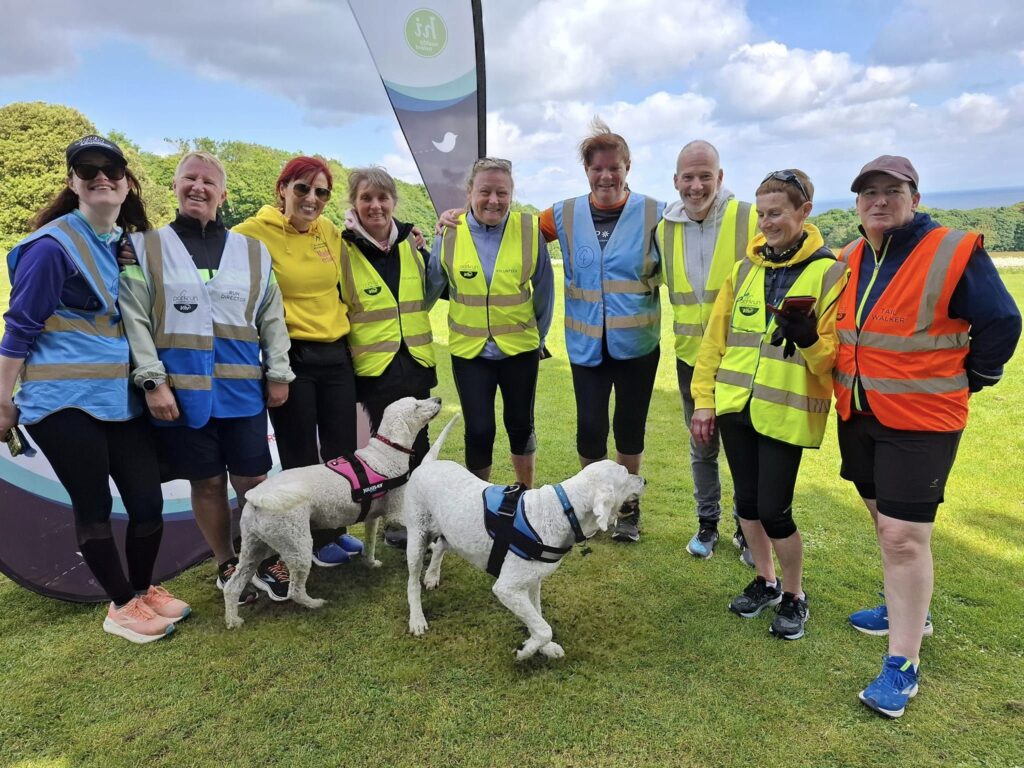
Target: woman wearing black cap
[[64, 337]]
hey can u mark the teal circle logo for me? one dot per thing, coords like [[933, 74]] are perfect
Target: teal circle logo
[[426, 33]]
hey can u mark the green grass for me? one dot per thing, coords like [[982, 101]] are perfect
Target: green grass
[[657, 672]]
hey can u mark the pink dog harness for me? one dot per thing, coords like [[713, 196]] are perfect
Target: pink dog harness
[[367, 484]]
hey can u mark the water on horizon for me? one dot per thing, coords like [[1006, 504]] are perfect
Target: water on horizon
[[963, 200]]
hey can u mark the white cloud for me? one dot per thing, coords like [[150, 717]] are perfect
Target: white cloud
[[977, 113]]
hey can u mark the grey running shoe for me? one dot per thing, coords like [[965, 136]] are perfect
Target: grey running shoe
[[627, 528], [755, 598], [790, 617], [740, 542]]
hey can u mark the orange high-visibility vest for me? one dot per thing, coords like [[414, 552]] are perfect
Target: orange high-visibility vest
[[908, 353]]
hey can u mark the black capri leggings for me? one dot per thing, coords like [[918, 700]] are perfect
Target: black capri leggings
[[633, 381], [763, 473], [477, 380], [85, 453]]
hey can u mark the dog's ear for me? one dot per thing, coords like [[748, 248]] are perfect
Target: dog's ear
[[605, 508]]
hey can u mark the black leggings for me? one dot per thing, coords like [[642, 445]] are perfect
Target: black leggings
[[85, 453], [633, 381], [321, 402], [477, 381], [763, 473]]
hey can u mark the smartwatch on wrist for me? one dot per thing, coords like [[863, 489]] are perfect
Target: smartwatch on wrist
[[150, 384]]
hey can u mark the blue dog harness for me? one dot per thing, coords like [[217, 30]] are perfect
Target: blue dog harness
[[506, 523]]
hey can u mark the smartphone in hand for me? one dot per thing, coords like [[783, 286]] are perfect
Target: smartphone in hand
[[793, 305]]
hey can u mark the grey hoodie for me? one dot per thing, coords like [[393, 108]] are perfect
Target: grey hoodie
[[699, 238]]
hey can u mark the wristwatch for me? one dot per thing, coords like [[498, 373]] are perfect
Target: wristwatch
[[150, 384]]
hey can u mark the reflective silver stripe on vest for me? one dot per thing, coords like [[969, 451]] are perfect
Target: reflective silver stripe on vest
[[936, 277], [348, 279], [741, 274], [583, 294], [54, 371], [255, 275], [686, 298], [632, 321], [374, 315], [934, 386], [494, 329], [650, 222], [739, 339], [155, 265], [593, 331], [687, 329], [791, 400], [418, 341], [832, 277], [413, 306], [527, 236], [625, 286], [923, 342], [844, 379], [844, 255], [465, 330], [380, 346], [186, 341], [742, 232], [484, 300], [189, 381], [236, 371], [568, 214], [236, 332], [668, 256], [59, 323], [735, 378], [85, 254]]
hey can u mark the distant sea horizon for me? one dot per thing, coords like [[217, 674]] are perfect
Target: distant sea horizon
[[964, 200]]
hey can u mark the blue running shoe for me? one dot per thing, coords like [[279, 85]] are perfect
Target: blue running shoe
[[875, 621], [350, 544], [330, 555], [703, 542], [889, 693]]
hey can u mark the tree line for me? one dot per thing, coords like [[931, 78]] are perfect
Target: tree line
[[33, 137]]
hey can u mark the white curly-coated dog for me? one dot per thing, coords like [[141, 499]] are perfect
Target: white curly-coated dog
[[278, 512], [442, 499]]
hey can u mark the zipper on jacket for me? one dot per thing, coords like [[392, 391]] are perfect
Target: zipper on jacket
[[857, 319]]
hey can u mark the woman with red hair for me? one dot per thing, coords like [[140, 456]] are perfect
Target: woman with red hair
[[318, 422]]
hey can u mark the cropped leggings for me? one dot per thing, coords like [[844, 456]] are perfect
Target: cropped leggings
[[478, 380], [85, 454], [763, 473]]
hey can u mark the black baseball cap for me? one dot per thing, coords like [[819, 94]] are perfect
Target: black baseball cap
[[95, 144]]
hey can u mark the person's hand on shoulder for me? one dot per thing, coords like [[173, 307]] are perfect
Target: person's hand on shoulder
[[449, 218], [277, 393], [418, 239], [126, 252]]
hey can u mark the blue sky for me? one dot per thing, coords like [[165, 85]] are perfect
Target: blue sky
[[824, 86]]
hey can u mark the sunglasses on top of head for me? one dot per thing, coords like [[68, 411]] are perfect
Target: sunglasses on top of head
[[89, 171], [788, 177], [301, 190]]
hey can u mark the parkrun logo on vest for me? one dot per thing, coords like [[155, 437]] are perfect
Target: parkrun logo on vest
[[185, 302], [425, 33], [469, 274], [373, 290], [584, 256]]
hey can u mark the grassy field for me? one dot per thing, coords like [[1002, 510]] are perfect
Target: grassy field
[[657, 672]]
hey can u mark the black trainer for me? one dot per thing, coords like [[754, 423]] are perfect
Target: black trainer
[[396, 537], [755, 598], [272, 577], [790, 617], [224, 573], [627, 527]]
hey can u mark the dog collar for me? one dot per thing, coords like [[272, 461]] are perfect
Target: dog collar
[[570, 513], [394, 445]]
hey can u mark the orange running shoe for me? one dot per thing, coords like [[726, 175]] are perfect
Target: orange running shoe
[[163, 603], [135, 621]]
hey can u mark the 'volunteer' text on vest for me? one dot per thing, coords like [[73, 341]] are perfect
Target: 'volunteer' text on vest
[[502, 310], [909, 354], [787, 401], [611, 293], [205, 334], [690, 314], [80, 359], [380, 322]]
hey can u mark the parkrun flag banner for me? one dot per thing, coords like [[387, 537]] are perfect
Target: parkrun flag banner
[[430, 56], [39, 548]]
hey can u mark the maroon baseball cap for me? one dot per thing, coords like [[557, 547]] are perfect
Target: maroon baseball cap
[[893, 165]]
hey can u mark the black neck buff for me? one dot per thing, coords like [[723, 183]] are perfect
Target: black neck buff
[[777, 257]]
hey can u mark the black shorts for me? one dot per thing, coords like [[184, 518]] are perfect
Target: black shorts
[[904, 471], [239, 445]]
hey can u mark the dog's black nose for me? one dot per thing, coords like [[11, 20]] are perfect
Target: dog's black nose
[[436, 400]]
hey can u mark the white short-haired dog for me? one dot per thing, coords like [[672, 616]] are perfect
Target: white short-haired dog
[[444, 500], [279, 511]]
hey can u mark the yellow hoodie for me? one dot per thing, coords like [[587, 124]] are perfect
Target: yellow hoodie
[[308, 267]]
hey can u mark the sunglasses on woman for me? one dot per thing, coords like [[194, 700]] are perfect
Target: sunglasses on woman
[[301, 190], [788, 177], [89, 171]]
